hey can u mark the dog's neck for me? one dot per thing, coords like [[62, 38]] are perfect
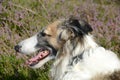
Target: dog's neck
[[86, 44], [70, 52]]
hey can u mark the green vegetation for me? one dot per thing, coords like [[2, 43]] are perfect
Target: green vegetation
[[20, 19]]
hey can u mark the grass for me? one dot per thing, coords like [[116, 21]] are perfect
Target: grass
[[20, 19]]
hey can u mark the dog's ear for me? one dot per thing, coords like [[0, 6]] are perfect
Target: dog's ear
[[73, 27], [66, 34], [80, 26]]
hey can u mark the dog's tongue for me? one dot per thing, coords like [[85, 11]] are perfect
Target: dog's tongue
[[41, 55]]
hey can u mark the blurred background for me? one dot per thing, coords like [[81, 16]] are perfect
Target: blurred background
[[20, 19]]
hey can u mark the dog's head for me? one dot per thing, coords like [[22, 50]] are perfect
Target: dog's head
[[46, 43]]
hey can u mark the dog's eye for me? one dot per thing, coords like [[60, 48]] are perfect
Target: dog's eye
[[44, 34]]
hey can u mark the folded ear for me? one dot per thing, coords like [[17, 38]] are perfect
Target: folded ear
[[72, 28], [80, 26], [66, 34]]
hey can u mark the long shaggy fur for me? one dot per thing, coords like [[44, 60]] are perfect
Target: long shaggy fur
[[77, 56], [96, 64]]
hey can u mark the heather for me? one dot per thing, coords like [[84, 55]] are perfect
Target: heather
[[20, 19]]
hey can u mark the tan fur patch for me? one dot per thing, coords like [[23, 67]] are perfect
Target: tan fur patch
[[52, 30], [113, 76]]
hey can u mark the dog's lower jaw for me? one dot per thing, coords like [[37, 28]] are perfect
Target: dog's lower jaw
[[42, 62]]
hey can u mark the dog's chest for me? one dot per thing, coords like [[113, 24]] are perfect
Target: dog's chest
[[64, 68], [60, 68]]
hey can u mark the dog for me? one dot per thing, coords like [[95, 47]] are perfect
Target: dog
[[69, 42]]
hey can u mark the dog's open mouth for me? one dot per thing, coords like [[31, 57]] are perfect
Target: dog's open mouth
[[42, 53]]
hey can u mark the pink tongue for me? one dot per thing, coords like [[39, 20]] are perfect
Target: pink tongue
[[40, 56]]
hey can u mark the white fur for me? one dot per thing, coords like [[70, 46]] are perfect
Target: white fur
[[28, 45], [96, 60]]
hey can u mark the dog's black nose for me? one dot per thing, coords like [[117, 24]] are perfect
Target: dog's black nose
[[17, 48]]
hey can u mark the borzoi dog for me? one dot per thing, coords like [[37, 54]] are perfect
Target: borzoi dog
[[77, 56]]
